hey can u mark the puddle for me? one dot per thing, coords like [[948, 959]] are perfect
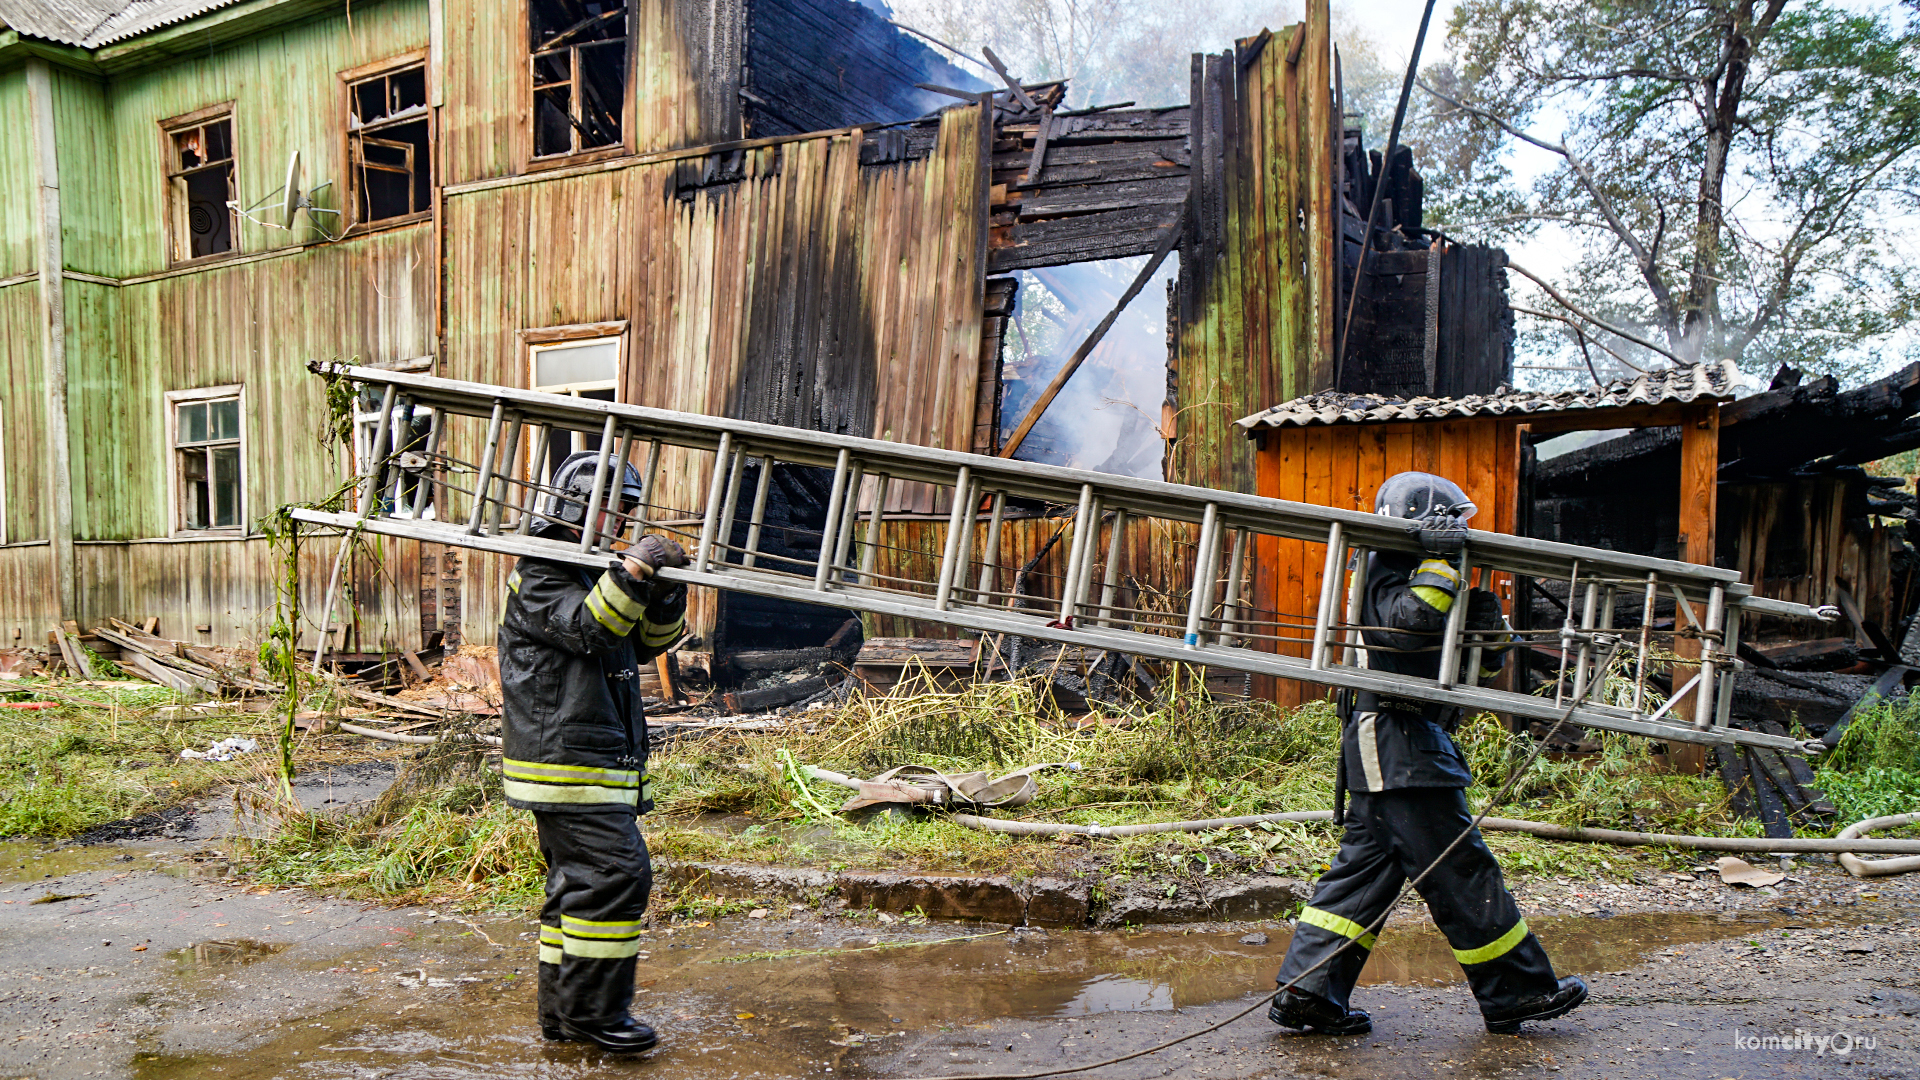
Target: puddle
[[26, 861], [209, 956], [798, 1014]]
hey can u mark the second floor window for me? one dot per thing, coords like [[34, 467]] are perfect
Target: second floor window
[[200, 186], [388, 139], [579, 56]]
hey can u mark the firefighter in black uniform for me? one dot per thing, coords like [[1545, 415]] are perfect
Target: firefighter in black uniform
[[570, 645], [1408, 781]]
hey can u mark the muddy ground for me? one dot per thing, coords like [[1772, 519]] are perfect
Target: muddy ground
[[157, 965]]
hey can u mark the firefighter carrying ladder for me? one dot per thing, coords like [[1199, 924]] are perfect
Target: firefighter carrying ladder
[[401, 476]]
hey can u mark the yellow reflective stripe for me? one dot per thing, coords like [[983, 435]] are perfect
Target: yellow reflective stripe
[[551, 954], [585, 794], [1346, 928], [1438, 599], [549, 934], [655, 635], [590, 928], [1495, 949], [575, 774], [602, 950], [606, 616], [513, 581], [617, 598], [1438, 566]]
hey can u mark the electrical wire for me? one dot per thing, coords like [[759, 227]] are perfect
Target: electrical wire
[[1498, 798]]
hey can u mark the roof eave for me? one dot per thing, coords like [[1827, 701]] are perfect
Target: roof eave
[[16, 48], [212, 29]]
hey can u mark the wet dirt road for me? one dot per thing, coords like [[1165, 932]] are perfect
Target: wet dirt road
[[155, 969]]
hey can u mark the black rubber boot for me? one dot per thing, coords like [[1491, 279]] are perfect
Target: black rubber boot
[[1562, 1001], [1311, 1012], [623, 1035]]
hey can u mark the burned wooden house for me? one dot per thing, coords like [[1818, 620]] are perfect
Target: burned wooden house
[[780, 210]]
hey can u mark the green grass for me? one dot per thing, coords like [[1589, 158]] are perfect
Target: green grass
[[443, 835], [1875, 771], [106, 753]]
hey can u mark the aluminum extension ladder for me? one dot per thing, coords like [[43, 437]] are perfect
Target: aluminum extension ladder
[[1218, 629]]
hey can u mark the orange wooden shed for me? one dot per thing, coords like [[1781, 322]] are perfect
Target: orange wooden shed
[[1335, 449]]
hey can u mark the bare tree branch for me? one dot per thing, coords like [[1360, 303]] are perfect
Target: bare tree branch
[[1608, 327], [1583, 338], [1649, 271]]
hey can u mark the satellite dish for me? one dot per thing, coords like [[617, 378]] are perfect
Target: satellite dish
[[290, 204]]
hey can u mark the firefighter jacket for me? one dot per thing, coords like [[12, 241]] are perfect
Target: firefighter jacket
[[1388, 743], [570, 647]]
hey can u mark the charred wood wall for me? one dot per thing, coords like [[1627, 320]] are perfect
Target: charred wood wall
[[814, 65], [1253, 305], [1104, 186], [801, 288]]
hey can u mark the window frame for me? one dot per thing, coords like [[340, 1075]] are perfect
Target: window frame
[[523, 79], [535, 341], [353, 77], [173, 188], [176, 483]]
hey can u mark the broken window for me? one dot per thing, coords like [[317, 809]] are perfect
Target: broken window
[[585, 367], [388, 140], [579, 57], [409, 442], [201, 186], [207, 458], [1108, 415]]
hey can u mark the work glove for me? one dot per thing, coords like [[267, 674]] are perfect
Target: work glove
[[1441, 534], [650, 554]]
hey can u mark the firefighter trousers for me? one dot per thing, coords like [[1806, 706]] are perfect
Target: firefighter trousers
[[1391, 836], [598, 878]]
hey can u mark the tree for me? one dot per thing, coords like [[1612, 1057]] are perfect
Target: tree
[[1736, 178]]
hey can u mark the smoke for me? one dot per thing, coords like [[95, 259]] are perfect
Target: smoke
[[1107, 417]]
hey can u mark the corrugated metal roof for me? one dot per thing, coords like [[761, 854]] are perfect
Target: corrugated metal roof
[[65, 21], [140, 16], [93, 23], [1670, 386]]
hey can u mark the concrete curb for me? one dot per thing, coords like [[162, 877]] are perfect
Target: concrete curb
[[1041, 901]]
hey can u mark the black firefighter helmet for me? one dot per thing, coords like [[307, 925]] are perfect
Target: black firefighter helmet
[[1415, 496], [564, 504]]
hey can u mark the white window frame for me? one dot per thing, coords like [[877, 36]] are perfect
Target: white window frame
[[365, 426], [558, 338], [176, 509]]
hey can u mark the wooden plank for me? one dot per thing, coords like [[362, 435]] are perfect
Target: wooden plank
[[1699, 506]]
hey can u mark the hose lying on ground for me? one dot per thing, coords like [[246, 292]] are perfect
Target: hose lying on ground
[[490, 740], [1878, 867], [1537, 828], [1849, 841]]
